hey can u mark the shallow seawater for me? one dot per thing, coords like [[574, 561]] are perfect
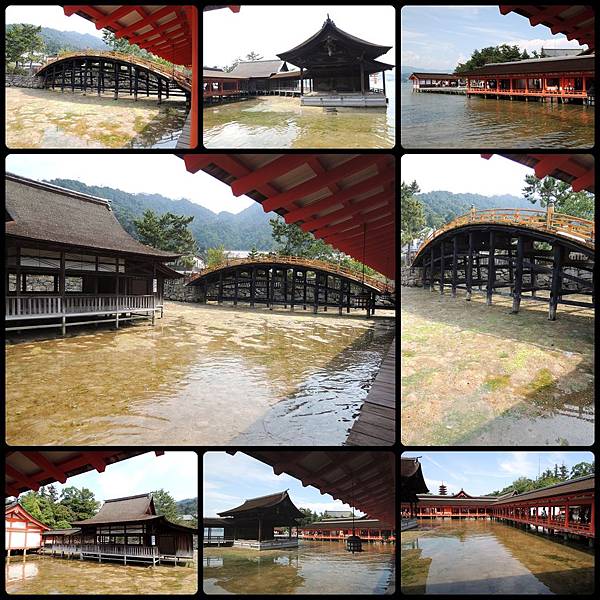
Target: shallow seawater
[[42, 118], [45, 575], [473, 374], [280, 122], [484, 557], [312, 568], [201, 375], [433, 120]]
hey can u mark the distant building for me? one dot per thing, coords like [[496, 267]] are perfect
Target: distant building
[[237, 253], [336, 514], [23, 532], [551, 52], [187, 517]]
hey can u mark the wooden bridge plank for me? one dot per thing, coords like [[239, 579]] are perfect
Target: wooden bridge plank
[[184, 139], [376, 422]]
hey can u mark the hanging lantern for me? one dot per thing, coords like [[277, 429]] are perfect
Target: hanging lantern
[[353, 543]]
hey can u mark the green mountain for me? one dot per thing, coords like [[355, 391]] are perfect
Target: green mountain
[[189, 506], [441, 207], [56, 40], [248, 228]]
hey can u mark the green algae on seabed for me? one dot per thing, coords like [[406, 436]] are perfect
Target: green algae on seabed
[[201, 375], [313, 568], [42, 575], [477, 374], [487, 557]]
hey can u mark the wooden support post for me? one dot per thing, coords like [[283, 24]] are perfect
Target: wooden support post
[[491, 268], [348, 297], [130, 74], [304, 293], [147, 83], [220, 292], [160, 90], [73, 76], [252, 285], [518, 276], [362, 77], [116, 76], [533, 276], [442, 267], [325, 291], [62, 78], [469, 273], [316, 293], [341, 297], [510, 269], [167, 89], [293, 296], [301, 81], [556, 281], [478, 265], [100, 75], [431, 269], [235, 287], [136, 83], [424, 274], [272, 288], [383, 79], [454, 265]]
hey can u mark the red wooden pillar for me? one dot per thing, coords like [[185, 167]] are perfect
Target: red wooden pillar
[[592, 517], [567, 515], [584, 90], [192, 15]]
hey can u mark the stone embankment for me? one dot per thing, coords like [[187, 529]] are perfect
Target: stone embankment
[[411, 277], [175, 289], [24, 81]]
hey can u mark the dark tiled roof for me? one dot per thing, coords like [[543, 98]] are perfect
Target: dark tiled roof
[[119, 510], [72, 531], [262, 502], [329, 29], [561, 64], [258, 68], [435, 76], [566, 487], [44, 212]]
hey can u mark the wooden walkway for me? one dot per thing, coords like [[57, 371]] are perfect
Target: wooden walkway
[[183, 143], [376, 423]]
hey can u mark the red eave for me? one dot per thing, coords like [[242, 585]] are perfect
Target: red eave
[[17, 508], [349, 203], [575, 21], [576, 169]]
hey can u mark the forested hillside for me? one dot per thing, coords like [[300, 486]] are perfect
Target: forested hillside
[[441, 207], [236, 232]]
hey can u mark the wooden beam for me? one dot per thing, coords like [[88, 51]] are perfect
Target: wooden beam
[[491, 268], [41, 461], [518, 287], [22, 478], [454, 264], [272, 170], [351, 167], [584, 181], [556, 281]]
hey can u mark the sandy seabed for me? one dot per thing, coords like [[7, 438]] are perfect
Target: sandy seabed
[[40, 118]]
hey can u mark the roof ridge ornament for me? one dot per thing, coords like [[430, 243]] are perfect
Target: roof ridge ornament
[[328, 21]]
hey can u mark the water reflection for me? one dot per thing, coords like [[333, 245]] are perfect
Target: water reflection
[[280, 122], [43, 575], [483, 557], [450, 121], [202, 375], [313, 568]]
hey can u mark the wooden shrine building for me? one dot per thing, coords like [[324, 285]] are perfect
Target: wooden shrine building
[[554, 79], [125, 529], [254, 522], [411, 484], [22, 531], [369, 530], [223, 536], [338, 66], [437, 82], [69, 261]]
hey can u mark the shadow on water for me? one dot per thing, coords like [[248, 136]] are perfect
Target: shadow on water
[[164, 130], [471, 557], [323, 408]]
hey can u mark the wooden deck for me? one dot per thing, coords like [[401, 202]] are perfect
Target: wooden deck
[[441, 90], [183, 143], [376, 423]]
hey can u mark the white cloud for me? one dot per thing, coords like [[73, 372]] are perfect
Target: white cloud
[[537, 44], [520, 464]]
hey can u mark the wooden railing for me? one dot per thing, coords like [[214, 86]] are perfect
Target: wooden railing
[[301, 262], [554, 523], [581, 230], [69, 548], [120, 550], [38, 306], [172, 73]]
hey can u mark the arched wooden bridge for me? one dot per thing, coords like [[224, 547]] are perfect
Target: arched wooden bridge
[[90, 71], [283, 280], [519, 249]]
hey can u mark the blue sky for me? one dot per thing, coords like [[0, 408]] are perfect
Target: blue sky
[[229, 480], [175, 472], [439, 37], [485, 472], [134, 173]]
